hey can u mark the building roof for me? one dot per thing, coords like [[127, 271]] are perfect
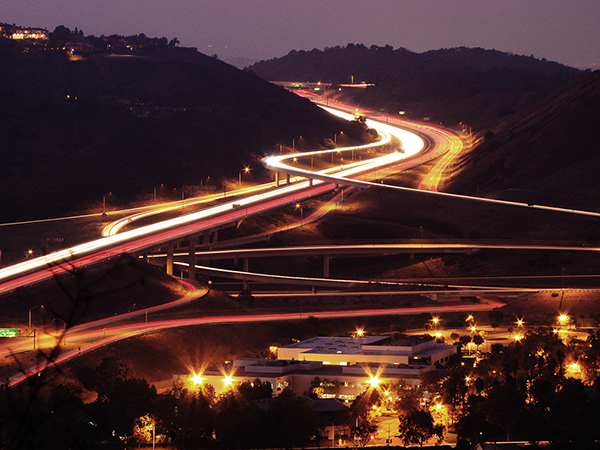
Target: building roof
[[344, 345]]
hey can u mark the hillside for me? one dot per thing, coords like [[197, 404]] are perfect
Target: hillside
[[546, 155], [469, 85], [75, 128]]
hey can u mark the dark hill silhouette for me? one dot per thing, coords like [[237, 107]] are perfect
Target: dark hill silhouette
[[73, 130], [546, 155], [471, 85]]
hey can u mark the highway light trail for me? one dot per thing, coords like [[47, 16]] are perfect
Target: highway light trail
[[149, 236], [94, 339], [114, 227]]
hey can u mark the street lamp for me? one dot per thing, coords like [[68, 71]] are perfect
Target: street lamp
[[104, 203], [228, 380], [31, 309], [142, 306], [197, 379], [158, 185], [374, 381], [242, 172], [299, 206]]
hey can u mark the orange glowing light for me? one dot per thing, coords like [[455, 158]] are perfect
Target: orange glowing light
[[563, 318], [197, 379], [374, 381], [228, 380]]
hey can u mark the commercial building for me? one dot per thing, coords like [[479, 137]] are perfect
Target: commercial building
[[338, 367]]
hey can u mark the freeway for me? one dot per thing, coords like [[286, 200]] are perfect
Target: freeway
[[89, 340], [144, 238], [419, 143]]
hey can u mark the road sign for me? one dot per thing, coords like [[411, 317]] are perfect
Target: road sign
[[9, 332]]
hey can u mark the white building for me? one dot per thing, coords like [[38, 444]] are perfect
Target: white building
[[338, 367]]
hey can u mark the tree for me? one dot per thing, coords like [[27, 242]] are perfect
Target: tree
[[496, 316], [464, 341], [111, 372], [477, 340], [417, 427], [238, 422], [255, 390], [191, 417], [292, 421]]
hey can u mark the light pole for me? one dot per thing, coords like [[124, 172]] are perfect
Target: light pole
[[158, 185], [104, 203], [242, 172], [31, 309], [143, 306], [299, 206]]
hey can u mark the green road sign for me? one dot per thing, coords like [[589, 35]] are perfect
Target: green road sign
[[9, 332]]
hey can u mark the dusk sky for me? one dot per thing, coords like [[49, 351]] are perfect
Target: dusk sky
[[567, 31]]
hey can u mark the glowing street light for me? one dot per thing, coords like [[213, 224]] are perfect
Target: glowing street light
[[242, 172], [196, 379], [228, 380], [301, 208], [520, 322], [563, 318], [374, 381], [360, 332]]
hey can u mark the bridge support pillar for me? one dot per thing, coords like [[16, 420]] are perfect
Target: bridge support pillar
[[310, 181], [325, 266], [276, 179], [287, 178], [215, 235], [169, 258], [192, 260], [246, 265], [206, 238]]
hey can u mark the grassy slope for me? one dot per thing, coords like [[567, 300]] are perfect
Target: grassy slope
[[547, 155], [69, 135]]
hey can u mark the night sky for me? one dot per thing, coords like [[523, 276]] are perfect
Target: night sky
[[567, 31]]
